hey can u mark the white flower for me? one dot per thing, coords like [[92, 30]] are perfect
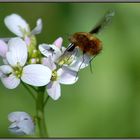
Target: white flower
[[3, 49], [61, 76], [17, 70], [17, 25], [54, 50], [22, 123], [80, 62]]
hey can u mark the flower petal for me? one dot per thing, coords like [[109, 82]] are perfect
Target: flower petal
[[80, 62], [1, 74], [5, 39], [16, 24], [58, 42], [13, 128], [36, 75], [50, 50], [17, 116], [67, 57], [44, 49], [85, 60], [10, 82], [38, 27], [49, 62], [27, 126], [54, 91], [17, 53], [67, 76], [6, 69], [21, 123], [3, 48], [5, 61]]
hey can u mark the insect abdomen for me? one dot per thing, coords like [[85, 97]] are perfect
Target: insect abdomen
[[87, 43]]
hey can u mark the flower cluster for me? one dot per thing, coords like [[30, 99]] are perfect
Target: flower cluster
[[24, 60]]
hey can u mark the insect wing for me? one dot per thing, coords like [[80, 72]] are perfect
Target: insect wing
[[103, 22]]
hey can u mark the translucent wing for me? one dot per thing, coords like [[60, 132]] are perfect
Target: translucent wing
[[103, 22]]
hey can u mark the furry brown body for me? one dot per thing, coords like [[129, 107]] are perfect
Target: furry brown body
[[87, 42]]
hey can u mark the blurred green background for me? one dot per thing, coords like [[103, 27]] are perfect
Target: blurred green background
[[103, 104]]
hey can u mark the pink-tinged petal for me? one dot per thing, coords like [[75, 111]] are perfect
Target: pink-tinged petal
[[54, 90], [6, 69], [36, 75], [67, 76], [16, 24], [38, 27], [3, 48], [10, 82], [58, 42], [49, 63], [17, 54]]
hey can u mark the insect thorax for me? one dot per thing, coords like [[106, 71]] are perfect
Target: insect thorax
[[87, 42]]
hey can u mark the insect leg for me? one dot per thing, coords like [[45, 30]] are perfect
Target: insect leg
[[91, 64], [83, 59]]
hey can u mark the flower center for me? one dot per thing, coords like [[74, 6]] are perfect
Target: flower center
[[18, 71], [54, 75]]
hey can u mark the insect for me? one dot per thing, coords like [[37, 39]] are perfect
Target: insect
[[87, 42]]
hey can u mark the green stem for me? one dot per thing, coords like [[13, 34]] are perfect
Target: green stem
[[28, 89], [40, 112], [34, 88], [46, 100]]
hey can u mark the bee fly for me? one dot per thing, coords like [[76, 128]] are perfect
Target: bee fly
[[87, 42]]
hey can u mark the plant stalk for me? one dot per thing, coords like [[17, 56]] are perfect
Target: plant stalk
[[40, 112]]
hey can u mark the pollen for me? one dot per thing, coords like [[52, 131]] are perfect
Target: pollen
[[54, 75], [18, 71]]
